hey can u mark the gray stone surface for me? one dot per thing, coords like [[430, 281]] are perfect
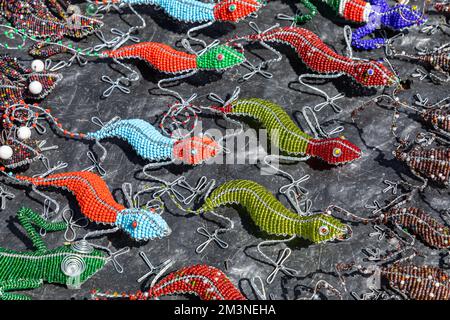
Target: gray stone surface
[[77, 99]]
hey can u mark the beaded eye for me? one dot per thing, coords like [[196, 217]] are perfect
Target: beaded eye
[[232, 8], [220, 57], [337, 152], [323, 230], [134, 224], [370, 72], [72, 265]]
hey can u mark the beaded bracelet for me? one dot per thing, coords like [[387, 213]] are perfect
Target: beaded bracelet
[[98, 205], [206, 282], [374, 13], [71, 265]]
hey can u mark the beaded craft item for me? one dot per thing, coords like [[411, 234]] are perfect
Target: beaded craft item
[[291, 139], [144, 138], [19, 83], [16, 154], [375, 14], [97, 204], [71, 264], [206, 282], [426, 163], [437, 59], [195, 10], [269, 214], [47, 19], [443, 7], [410, 281], [320, 58]]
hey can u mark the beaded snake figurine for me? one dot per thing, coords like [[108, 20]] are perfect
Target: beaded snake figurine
[[318, 57], [206, 282], [97, 203], [374, 13], [71, 265], [47, 19]]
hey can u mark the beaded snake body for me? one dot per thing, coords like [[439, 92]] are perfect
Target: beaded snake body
[[271, 216], [206, 282], [197, 11], [168, 60], [97, 204], [66, 264], [374, 13], [291, 139], [322, 59]]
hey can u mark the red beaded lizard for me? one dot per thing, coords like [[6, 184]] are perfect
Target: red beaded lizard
[[206, 282]]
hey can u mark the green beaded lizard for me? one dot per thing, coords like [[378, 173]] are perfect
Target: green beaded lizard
[[71, 264]]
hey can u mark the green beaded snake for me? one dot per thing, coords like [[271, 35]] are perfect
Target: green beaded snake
[[71, 264]]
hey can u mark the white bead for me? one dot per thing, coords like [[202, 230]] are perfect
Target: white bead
[[35, 87], [6, 152], [38, 66], [24, 133]]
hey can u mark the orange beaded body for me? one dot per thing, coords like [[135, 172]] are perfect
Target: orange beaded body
[[90, 190]]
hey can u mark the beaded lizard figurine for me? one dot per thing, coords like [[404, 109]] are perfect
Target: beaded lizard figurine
[[443, 7], [144, 138], [194, 11], [18, 82], [269, 214], [97, 204], [170, 61], [47, 19], [206, 282], [375, 14], [410, 281], [318, 57], [437, 59], [291, 139], [71, 265]]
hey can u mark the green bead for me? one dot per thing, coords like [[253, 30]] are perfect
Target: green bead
[[91, 9]]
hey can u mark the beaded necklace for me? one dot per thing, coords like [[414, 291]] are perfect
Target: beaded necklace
[[71, 265], [206, 282], [97, 203], [374, 13]]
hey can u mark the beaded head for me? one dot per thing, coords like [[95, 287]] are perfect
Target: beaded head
[[403, 16], [76, 264], [142, 224], [235, 10], [373, 74], [219, 57], [324, 228], [334, 150], [195, 150]]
